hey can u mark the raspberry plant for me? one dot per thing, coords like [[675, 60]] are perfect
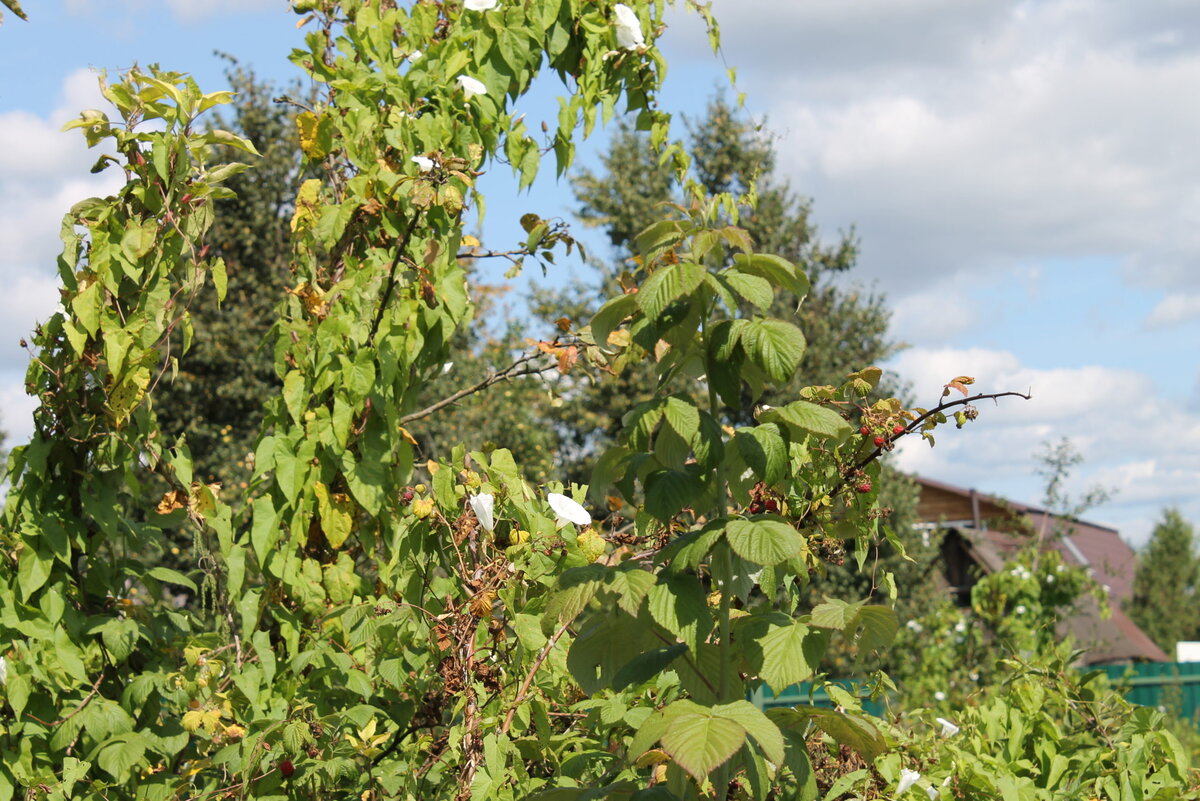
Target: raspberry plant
[[357, 621]]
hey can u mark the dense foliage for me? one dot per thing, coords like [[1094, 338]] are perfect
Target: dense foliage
[[366, 626]]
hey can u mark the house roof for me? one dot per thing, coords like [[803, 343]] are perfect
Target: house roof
[[993, 529]]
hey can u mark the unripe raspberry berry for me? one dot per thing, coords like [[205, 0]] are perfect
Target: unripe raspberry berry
[[879, 442], [864, 487]]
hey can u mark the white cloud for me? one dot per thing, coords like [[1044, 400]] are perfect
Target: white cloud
[[1173, 310], [971, 136]]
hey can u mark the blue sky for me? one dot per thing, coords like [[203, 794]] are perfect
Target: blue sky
[[1022, 177]]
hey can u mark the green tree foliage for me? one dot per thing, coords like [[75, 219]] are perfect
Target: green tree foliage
[[226, 372], [1164, 602], [473, 636], [844, 328]]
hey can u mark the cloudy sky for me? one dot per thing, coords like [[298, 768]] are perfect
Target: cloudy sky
[[1023, 178]]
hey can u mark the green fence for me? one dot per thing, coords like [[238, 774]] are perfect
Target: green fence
[[804, 694], [1174, 686]]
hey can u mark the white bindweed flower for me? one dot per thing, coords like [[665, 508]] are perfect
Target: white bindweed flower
[[3, 671], [907, 779], [939, 696], [415, 56], [568, 510], [482, 505], [932, 792], [423, 163], [948, 728], [471, 86], [629, 27], [1020, 610], [479, 5]]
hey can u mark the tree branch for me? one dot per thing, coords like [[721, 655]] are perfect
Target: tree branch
[[514, 370]]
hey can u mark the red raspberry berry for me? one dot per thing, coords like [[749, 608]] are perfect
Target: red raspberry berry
[[286, 768], [770, 505], [864, 487], [898, 429], [879, 442], [756, 508], [864, 431], [406, 496]]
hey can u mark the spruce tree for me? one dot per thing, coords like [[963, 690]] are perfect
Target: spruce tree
[[1164, 602]]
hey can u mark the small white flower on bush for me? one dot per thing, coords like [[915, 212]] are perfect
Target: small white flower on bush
[[960, 626], [479, 5], [629, 27], [483, 505], [471, 86], [1050, 578], [939, 696], [948, 728], [1059, 568], [1020, 610], [907, 779], [568, 510], [415, 56], [423, 163], [915, 626], [973, 676]]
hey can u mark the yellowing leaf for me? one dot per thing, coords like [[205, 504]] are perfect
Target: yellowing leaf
[[307, 203], [337, 514]]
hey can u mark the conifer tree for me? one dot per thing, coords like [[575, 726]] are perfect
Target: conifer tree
[[1164, 602]]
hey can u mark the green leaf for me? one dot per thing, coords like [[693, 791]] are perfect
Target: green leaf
[[119, 637], [753, 288], [757, 725], [683, 416], [810, 418], [666, 285], [631, 585], [763, 449], [576, 587], [172, 577], [32, 571], [836, 614], [121, 754], [646, 666], [779, 271], [764, 539], [790, 654], [668, 492], [698, 739], [220, 278], [854, 731], [774, 345], [678, 604], [611, 315], [659, 235], [294, 394]]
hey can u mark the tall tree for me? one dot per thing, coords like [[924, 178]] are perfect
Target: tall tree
[[1164, 602]]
